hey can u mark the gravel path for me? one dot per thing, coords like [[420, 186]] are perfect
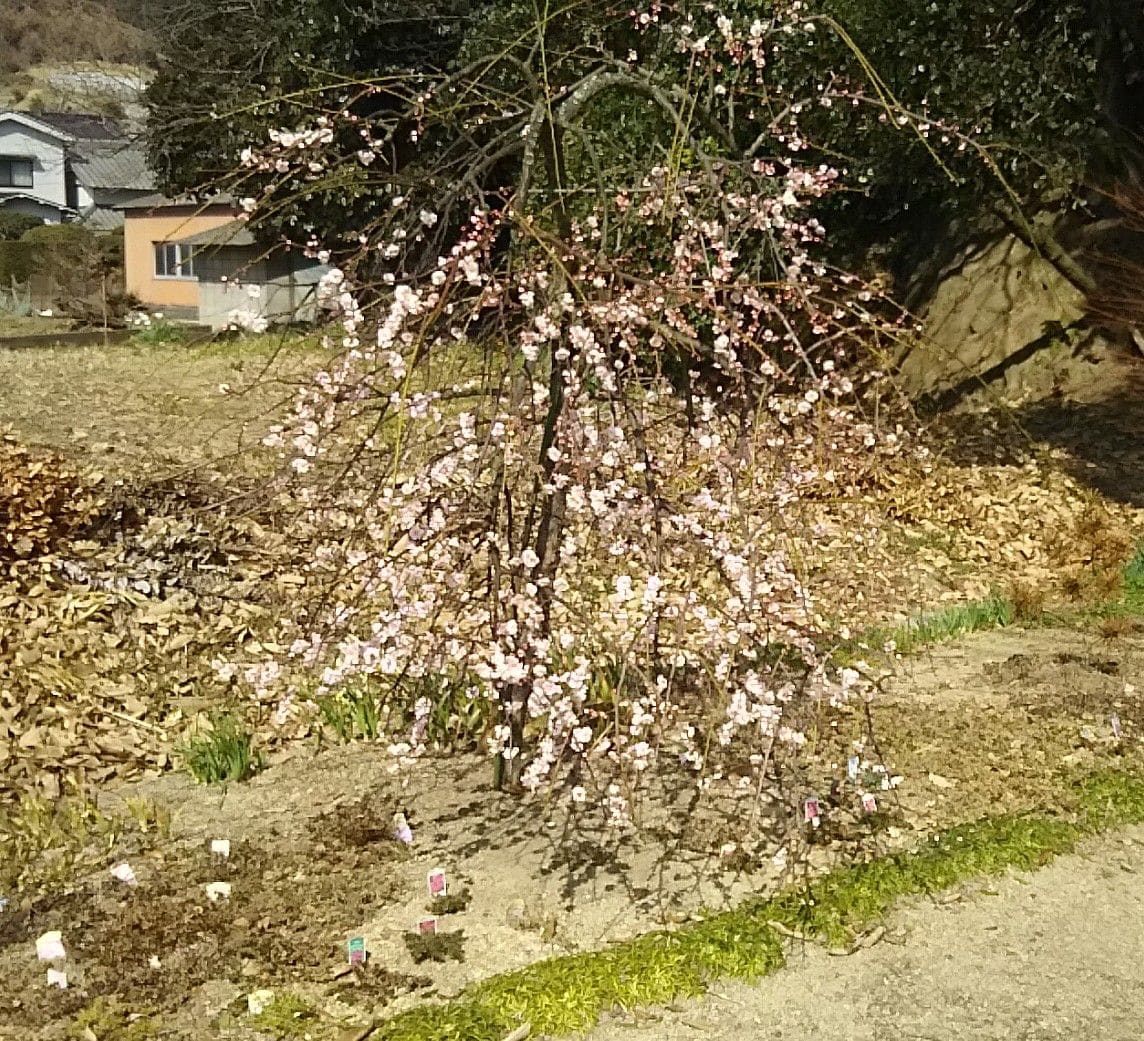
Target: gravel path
[[1058, 954]]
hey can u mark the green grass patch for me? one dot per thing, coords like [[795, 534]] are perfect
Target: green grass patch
[[109, 1019], [46, 844], [567, 995], [223, 753], [994, 612], [354, 713], [948, 623], [290, 1016], [1134, 580]]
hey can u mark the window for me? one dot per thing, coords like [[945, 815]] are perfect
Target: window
[[173, 260], [15, 173]]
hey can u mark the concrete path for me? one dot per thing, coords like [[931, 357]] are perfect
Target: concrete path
[[1057, 954]]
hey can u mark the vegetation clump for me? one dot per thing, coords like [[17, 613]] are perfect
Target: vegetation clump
[[222, 753], [111, 1019], [451, 903], [436, 947]]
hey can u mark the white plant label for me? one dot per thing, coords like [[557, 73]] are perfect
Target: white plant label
[[50, 947]]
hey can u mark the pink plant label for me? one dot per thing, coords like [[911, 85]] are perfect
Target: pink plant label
[[427, 927], [437, 884], [810, 811], [356, 948], [869, 803]]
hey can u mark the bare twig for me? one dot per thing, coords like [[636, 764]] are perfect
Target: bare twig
[[784, 930]]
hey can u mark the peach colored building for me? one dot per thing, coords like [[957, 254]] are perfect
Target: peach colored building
[[158, 265]]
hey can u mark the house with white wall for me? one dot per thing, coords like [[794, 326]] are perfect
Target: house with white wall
[[33, 168], [63, 166]]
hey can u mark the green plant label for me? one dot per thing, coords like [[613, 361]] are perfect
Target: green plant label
[[357, 952]]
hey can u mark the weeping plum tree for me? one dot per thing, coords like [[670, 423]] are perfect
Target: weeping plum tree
[[560, 458]]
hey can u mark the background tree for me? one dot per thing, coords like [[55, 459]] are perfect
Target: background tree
[[941, 111], [229, 71]]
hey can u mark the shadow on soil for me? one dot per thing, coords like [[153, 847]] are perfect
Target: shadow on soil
[[1103, 440]]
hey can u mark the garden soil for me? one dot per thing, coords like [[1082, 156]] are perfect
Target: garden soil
[[988, 724]]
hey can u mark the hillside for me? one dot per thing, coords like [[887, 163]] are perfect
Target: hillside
[[37, 32]]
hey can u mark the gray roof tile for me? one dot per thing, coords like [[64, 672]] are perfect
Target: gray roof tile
[[112, 164], [84, 126]]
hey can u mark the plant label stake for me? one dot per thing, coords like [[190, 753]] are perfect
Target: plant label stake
[[810, 811], [1114, 719], [357, 952], [427, 927], [852, 768], [220, 848], [869, 803], [50, 947], [437, 885]]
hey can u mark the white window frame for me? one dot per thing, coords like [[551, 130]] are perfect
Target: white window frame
[[11, 162], [174, 261]]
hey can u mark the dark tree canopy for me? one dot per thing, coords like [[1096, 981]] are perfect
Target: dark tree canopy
[[230, 72], [932, 108]]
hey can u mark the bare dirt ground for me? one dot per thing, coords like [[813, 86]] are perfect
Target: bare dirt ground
[[988, 724], [157, 408], [1054, 955], [104, 666]]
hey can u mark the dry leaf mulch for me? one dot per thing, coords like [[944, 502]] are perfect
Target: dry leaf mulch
[[999, 513], [114, 601], [115, 598]]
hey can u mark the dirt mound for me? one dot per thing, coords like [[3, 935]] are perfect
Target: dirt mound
[[1003, 326]]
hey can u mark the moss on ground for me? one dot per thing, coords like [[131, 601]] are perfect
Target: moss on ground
[[567, 995]]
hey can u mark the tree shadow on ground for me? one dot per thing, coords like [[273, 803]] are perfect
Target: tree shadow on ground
[[1099, 442]]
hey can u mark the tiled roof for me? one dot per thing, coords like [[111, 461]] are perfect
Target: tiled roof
[[102, 218], [25, 119], [112, 164], [157, 201], [28, 197], [84, 126], [236, 233]]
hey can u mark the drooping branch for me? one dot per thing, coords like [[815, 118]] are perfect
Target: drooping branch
[[1040, 237]]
